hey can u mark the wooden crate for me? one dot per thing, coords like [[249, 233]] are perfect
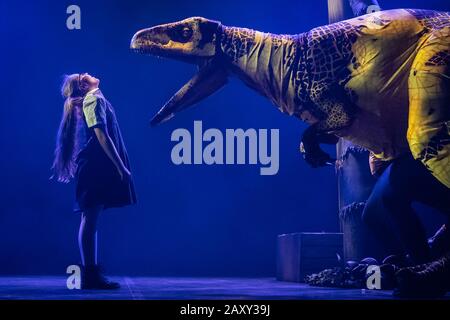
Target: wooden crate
[[300, 254]]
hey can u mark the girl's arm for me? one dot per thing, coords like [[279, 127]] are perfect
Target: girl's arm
[[94, 110], [108, 146]]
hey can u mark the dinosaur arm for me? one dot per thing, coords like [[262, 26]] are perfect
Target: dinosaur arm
[[310, 146], [334, 115], [322, 132]]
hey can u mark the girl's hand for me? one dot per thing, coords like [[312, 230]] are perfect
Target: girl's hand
[[125, 174]]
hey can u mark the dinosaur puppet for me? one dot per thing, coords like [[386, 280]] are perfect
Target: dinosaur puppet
[[381, 80]]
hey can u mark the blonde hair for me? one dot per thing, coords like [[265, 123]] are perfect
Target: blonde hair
[[64, 166]]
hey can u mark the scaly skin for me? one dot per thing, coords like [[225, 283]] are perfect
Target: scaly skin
[[381, 80]]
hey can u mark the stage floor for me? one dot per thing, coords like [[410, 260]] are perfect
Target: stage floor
[[155, 288]]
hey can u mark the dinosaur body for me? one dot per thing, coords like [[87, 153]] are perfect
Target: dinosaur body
[[381, 80]]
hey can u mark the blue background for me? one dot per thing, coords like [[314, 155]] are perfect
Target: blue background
[[190, 220]]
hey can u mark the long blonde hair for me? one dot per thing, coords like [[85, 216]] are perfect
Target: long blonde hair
[[64, 166]]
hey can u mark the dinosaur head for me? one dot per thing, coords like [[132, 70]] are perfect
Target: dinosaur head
[[190, 40], [193, 40]]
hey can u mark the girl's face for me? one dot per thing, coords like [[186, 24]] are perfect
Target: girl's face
[[91, 81]]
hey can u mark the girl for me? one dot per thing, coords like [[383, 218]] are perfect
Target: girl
[[90, 149]]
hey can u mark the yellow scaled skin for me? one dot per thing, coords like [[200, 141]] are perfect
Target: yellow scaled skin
[[404, 100], [397, 97]]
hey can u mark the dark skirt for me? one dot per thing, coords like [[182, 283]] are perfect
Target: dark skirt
[[99, 183]]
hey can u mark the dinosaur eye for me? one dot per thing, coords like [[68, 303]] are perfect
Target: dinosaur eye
[[186, 33]]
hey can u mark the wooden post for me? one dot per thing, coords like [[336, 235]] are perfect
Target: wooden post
[[355, 183]]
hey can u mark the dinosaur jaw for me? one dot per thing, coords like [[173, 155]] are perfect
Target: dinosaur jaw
[[210, 78], [192, 40]]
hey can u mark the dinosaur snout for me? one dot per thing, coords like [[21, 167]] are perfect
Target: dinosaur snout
[[148, 39]]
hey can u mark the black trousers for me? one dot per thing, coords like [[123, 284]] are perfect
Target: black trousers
[[389, 212]]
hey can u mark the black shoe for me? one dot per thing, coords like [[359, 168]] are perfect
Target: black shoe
[[440, 243], [388, 280], [430, 280], [92, 278], [398, 260]]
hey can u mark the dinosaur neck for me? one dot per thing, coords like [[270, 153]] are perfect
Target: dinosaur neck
[[266, 62]]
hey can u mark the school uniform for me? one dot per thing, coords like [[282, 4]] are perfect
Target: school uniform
[[97, 179]]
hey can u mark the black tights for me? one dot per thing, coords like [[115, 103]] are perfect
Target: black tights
[[87, 236]]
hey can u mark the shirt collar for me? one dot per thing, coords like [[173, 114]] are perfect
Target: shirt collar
[[93, 91]]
